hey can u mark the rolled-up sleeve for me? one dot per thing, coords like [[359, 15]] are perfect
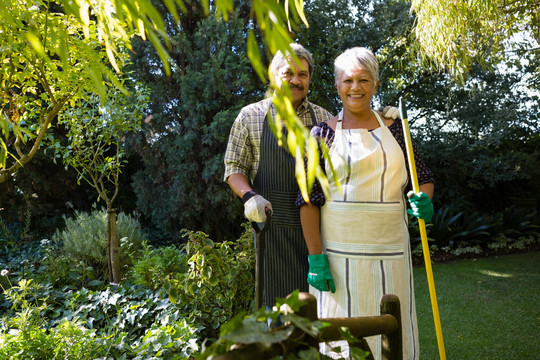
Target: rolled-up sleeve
[[239, 155]]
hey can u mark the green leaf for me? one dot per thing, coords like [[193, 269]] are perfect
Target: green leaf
[[213, 280], [252, 332], [255, 56], [3, 154], [4, 125], [36, 44], [94, 283]]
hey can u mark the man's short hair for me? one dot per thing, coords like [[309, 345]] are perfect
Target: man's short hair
[[299, 51]]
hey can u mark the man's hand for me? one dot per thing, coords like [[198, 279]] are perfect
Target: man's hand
[[421, 205], [390, 112], [255, 206], [319, 275]]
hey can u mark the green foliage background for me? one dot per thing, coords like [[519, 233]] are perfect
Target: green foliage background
[[181, 182], [479, 137]]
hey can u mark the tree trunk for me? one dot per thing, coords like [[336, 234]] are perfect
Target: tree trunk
[[112, 247]]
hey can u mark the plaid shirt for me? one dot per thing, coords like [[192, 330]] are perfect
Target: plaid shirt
[[244, 148]]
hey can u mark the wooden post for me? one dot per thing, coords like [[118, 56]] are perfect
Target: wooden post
[[392, 346]]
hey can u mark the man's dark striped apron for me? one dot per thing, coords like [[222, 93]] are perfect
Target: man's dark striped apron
[[285, 260]]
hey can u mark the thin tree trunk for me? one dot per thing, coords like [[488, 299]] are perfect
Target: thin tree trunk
[[112, 247]]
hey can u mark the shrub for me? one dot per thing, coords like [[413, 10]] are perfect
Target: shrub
[[24, 334], [219, 282], [85, 240], [14, 234], [116, 323], [516, 222], [156, 267], [450, 231], [473, 232]]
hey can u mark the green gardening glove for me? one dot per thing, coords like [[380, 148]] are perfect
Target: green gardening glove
[[421, 206], [319, 275]]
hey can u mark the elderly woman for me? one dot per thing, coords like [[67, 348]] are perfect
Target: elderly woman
[[358, 239]]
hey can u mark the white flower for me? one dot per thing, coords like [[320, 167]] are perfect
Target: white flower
[[4, 272]]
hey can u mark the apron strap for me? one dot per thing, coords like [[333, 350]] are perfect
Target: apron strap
[[381, 122]]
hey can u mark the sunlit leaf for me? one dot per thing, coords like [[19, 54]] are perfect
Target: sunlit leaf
[[3, 153], [4, 125], [300, 173], [313, 162], [163, 54], [255, 56], [36, 43], [300, 10], [224, 7]]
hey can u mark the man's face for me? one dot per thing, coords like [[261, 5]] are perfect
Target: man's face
[[297, 77]]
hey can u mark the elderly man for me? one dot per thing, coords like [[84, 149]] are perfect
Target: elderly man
[[262, 174]]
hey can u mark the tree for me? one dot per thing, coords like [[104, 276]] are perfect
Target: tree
[[96, 131], [114, 23], [480, 138], [453, 35], [39, 81], [382, 26], [181, 184]]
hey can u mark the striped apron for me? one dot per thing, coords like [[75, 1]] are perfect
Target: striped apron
[[285, 258], [364, 232]]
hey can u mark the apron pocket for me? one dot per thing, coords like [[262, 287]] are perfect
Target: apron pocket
[[363, 223]]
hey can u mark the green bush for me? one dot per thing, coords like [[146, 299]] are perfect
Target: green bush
[[84, 240], [464, 232], [516, 222], [115, 323], [24, 333], [156, 267], [68, 340], [14, 234], [219, 282]]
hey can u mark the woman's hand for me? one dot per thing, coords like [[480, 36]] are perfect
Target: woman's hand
[[421, 205], [319, 275]]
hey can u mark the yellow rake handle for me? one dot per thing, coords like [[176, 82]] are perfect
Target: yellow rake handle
[[423, 233]]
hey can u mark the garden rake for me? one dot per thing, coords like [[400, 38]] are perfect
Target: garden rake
[[423, 233]]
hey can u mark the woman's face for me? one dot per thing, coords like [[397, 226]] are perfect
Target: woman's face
[[356, 88]]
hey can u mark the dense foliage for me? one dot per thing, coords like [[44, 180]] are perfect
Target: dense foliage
[[480, 137], [455, 39], [182, 146], [46, 66], [83, 243], [167, 313], [174, 299]]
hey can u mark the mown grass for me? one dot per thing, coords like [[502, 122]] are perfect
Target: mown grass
[[489, 308]]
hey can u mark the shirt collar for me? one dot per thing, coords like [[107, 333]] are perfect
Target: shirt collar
[[303, 107]]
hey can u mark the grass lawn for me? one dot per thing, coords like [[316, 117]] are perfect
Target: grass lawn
[[489, 308]]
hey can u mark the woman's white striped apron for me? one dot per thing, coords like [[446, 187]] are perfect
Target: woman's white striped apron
[[364, 232]]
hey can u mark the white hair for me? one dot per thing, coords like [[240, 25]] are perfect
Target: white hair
[[279, 59], [357, 57]]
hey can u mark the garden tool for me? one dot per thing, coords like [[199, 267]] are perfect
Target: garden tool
[[423, 233], [260, 229]]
